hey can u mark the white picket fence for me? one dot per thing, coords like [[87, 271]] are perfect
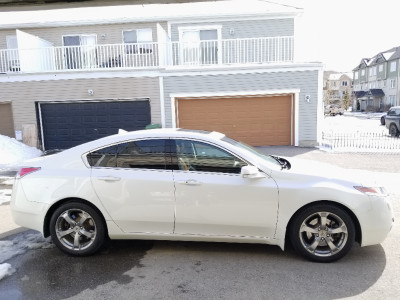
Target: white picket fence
[[360, 142]]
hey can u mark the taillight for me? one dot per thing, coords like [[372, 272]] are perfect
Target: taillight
[[26, 171]]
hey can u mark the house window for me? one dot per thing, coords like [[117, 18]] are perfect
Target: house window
[[392, 100], [80, 51], [138, 40], [363, 72], [344, 83], [393, 66], [383, 83], [356, 75], [392, 83], [12, 53], [380, 67], [199, 45]]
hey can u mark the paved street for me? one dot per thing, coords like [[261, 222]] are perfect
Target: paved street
[[185, 270]]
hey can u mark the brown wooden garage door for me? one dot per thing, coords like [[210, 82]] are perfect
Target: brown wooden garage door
[[6, 120], [256, 120]]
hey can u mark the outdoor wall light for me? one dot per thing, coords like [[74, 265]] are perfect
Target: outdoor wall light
[[90, 92], [307, 98], [103, 36], [232, 31]]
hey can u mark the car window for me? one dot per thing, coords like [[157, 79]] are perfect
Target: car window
[[105, 157], [203, 157], [142, 154]]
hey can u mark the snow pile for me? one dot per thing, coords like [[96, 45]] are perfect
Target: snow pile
[[13, 152], [19, 245], [5, 196], [6, 270]]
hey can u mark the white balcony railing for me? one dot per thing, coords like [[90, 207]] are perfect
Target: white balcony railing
[[148, 55]]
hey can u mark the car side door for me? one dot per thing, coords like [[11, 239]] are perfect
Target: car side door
[[214, 199], [134, 182]]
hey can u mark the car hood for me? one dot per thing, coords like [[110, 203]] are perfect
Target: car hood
[[331, 172]]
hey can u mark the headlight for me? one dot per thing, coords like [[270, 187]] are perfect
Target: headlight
[[372, 191]]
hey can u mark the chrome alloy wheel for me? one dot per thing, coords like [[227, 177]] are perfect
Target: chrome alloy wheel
[[323, 234], [75, 229]]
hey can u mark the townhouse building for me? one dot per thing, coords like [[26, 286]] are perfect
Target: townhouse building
[[376, 81], [336, 86], [80, 74]]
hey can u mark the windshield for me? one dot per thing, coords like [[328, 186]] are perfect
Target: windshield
[[252, 150]]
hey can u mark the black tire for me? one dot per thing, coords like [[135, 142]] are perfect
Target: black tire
[[77, 229], [393, 131], [318, 242], [383, 120]]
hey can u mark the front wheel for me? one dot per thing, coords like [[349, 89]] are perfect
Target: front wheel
[[322, 233], [77, 229], [393, 131]]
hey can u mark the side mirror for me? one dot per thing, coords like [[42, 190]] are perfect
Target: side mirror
[[250, 172]]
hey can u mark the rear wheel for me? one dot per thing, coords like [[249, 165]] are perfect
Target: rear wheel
[[393, 131], [77, 229], [322, 233]]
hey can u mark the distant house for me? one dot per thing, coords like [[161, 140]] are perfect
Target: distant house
[[207, 65], [335, 86], [376, 81]]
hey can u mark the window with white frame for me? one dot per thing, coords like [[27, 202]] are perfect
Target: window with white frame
[[200, 44], [363, 72], [380, 68], [393, 66], [12, 53], [138, 40], [392, 83], [356, 75], [370, 71], [384, 83], [392, 99], [344, 83], [370, 85], [80, 51]]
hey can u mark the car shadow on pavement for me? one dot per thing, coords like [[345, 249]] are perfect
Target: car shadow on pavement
[[165, 269]]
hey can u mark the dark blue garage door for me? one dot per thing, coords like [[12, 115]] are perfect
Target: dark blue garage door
[[66, 125]]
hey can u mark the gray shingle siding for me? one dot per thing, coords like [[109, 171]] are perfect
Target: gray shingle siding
[[245, 28], [306, 81]]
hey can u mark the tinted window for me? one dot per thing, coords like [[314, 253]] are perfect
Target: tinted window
[[144, 154], [106, 157], [198, 156]]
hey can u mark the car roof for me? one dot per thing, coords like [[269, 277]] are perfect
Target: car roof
[[150, 133]]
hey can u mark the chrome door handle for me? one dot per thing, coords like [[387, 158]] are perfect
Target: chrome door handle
[[109, 178], [190, 182]]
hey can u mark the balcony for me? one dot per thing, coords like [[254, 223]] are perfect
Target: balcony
[[266, 50]]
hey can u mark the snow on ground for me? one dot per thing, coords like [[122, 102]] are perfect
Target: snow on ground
[[13, 152], [6, 270], [347, 124], [5, 196], [19, 245]]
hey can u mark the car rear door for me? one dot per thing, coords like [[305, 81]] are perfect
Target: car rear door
[[213, 199], [134, 182]]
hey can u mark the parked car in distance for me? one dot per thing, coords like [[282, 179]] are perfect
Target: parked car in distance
[[333, 110], [392, 121], [383, 119], [174, 184]]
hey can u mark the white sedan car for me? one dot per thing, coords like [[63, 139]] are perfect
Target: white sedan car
[[195, 186]]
